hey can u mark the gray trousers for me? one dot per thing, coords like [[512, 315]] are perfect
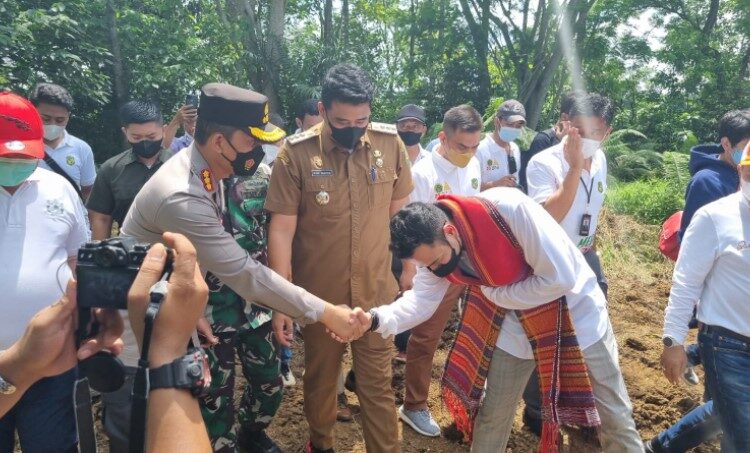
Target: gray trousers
[[117, 407], [531, 395], [508, 376]]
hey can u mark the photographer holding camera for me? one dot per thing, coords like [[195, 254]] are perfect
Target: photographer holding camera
[[47, 346]]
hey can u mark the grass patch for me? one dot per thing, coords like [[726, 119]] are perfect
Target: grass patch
[[648, 201]]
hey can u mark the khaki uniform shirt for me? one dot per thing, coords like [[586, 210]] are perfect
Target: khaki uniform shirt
[[184, 197], [341, 200]]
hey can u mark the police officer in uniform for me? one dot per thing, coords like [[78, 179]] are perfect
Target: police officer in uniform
[[333, 190], [186, 196]]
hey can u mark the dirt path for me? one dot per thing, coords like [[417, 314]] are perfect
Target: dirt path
[[639, 286]]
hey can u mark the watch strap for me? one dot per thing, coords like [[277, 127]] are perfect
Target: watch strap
[[375, 320], [171, 375]]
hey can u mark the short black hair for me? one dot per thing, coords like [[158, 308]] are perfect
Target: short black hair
[[735, 125], [308, 107], [464, 118], [347, 83], [593, 104], [140, 112], [204, 129], [414, 225], [568, 99], [49, 93]]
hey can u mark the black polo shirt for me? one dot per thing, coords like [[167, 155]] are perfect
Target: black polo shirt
[[118, 181]]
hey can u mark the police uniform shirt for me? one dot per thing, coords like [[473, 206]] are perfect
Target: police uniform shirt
[[494, 159], [342, 202], [545, 175], [184, 197], [435, 175]]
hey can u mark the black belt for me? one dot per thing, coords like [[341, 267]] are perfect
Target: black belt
[[705, 328]]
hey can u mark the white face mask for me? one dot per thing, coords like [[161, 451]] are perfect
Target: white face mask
[[52, 131], [745, 188], [271, 152], [590, 147]]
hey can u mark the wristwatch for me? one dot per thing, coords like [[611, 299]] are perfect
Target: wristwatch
[[374, 320], [190, 372], [669, 341], [6, 388]]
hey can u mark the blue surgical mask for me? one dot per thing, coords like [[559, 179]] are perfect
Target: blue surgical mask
[[737, 156], [508, 134], [15, 171]]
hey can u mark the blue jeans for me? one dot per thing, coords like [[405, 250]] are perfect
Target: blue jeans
[[697, 426], [285, 355], [727, 364], [44, 418]]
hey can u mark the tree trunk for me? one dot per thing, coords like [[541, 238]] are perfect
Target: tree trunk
[[275, 53], [345, 24], [118, 73], [328, 25], [480, 28]]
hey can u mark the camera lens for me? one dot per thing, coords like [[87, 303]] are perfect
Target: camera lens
[[109, 256]]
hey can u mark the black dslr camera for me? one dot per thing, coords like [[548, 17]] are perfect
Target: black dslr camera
[[105, 271]]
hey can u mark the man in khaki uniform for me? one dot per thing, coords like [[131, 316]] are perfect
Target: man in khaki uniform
[[333, 190]]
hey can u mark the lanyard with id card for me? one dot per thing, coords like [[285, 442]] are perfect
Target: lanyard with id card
[[585, 228]]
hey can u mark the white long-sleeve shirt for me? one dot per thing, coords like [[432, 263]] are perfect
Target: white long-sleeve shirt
[[714, 268], [559, 270]]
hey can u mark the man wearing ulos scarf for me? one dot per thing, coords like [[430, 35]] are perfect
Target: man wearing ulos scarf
[[533, 302]]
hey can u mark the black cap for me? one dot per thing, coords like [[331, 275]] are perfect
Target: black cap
[[512, 111], [247, 110], [412, 112]]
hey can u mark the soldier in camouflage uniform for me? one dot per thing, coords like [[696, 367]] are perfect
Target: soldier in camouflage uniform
[[247, 331]]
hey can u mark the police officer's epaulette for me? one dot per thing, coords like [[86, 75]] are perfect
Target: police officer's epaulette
[[384, 128], [302, 136]]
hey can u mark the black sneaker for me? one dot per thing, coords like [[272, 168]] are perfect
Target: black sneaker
[[350, 383], [309, 448], [256, 442]]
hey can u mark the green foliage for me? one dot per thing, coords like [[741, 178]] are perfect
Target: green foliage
[[650, 201]]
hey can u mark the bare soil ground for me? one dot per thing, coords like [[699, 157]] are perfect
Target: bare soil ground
[[639, 286]]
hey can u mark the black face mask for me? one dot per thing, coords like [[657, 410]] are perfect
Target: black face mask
[[410, 138], [146, 148], [246, 164], [446, 269], [347, 136]]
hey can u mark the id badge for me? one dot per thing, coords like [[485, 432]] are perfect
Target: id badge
[[585, 227]]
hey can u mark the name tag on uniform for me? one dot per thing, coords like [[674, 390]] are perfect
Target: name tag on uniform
[[322, 173]]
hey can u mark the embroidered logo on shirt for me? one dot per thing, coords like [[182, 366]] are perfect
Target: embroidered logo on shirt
[[70, 160], [600, 186], [474, 183], [742, 245], [55, 208], [207, 180], [492, 164], [438, 188]]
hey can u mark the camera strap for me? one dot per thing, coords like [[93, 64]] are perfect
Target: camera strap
[[141, 385]]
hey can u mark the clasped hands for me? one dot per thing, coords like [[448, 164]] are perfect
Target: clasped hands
[[344, 324]]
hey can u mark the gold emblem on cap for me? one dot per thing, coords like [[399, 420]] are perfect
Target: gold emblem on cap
[[379, 162], [322, 198], [377, 153], [317, 162]]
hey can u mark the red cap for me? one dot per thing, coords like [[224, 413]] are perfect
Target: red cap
[[21, 129]]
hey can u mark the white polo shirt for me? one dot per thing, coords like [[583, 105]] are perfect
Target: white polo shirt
[[422, 154], [545, 174], [712, 270], [41, 225], [493, 159], [434, 175], [559, 270], [75, 157]]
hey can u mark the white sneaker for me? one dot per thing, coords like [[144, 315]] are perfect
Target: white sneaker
[[287, 377], [421, 421], [691, 377]]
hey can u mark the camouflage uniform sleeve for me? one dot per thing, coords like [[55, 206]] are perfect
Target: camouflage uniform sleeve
[[219, 253]]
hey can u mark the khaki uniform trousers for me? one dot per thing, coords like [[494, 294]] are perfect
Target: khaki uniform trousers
[[421, 348], [372, 361]]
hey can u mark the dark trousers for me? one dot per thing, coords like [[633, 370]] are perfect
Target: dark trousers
[[531, 396], [44, 418]]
